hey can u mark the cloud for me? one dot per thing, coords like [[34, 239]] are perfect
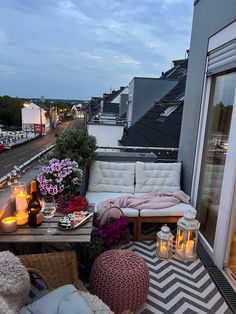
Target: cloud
[[7, 70], [3, 36], [78, 48]]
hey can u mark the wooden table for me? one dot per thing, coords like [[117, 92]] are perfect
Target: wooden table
[[26, 234]]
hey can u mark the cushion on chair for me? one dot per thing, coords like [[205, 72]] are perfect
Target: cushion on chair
[[65, 299], [111, 177], [152, 177], [176, 210], [96, 198]]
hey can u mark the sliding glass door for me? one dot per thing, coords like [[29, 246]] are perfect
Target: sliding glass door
[[219, 119]]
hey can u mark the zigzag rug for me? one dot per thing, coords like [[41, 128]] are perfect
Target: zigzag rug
[[177, 287]]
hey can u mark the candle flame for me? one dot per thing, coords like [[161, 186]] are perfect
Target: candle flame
[[22, 194], [9, 220]]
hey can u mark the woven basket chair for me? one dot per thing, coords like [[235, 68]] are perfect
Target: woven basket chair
[[55, 269]]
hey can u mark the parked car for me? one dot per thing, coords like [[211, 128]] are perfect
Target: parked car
[[4, 147]]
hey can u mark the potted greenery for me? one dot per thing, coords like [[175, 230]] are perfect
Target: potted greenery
[[79, 146], [87, 252]]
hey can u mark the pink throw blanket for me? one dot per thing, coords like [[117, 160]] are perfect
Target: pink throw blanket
[[154, 200]]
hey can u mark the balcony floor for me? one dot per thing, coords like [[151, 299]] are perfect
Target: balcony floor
[[175, 286], [178, 287]]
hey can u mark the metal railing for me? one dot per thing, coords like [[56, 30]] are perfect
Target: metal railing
[[141, 148], [3, 180], [106, 122], [162, 153]]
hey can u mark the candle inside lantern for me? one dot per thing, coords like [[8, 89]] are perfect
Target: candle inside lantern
[[9, 224], [180, 249], [189, 247], [21, 201], [164, 250]]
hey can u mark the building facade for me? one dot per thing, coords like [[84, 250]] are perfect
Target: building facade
[[34, 118], [143, 93], [208, 132]]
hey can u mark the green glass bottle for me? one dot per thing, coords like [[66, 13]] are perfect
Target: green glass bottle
[[34, 207]]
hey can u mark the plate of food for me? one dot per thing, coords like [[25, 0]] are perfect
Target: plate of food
[[74, 220]]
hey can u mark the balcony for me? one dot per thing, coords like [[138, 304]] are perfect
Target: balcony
[[175, 286]]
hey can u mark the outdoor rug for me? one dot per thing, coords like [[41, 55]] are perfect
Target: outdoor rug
[[178, 287]]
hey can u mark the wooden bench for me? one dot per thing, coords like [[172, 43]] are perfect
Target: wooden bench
[[109, 180]]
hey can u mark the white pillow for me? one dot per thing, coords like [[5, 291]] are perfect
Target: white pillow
[[111, 177], [63, 300], [152, 177]]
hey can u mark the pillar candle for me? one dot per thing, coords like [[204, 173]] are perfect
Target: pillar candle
[[164, 251], [21, 201], [189, 247]]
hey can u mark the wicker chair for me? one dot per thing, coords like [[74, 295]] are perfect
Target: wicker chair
[[55, 269]]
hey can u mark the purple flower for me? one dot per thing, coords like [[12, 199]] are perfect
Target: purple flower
[[58, 175], [75, 181]]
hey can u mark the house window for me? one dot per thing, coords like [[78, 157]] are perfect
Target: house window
[[222, 99], [168, 111]]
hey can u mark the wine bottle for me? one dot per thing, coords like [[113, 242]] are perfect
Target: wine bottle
[[34, 207]]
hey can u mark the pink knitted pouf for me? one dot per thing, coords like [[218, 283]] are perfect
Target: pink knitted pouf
[[121, 279]]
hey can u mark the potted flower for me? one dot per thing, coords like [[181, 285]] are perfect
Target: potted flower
[[113, 230], [60, 176]]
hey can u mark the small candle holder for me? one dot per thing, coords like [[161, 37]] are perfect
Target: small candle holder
[[21, 216], [9, 224], [164, 243]]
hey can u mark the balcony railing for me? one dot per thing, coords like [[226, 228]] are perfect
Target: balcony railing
[[161, 154]]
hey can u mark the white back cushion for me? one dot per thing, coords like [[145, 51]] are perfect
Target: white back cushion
[[152, 177], [111, 177]]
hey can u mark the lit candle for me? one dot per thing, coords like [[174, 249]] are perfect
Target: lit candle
[[21, 201], [9, 224], [164, 251], [180, 249], [22, 217], [189, 247]]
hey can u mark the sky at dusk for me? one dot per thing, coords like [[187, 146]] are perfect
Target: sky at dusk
[[76, 49]]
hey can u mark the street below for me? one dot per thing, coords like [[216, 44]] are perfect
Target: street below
[[20, 154]]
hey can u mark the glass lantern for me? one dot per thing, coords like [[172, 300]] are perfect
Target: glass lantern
[[187, 236], [20, 195], [164, 243]]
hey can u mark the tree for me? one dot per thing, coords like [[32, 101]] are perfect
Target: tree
[[10, 111]]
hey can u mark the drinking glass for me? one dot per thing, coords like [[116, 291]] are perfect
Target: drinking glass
[[49, 210]]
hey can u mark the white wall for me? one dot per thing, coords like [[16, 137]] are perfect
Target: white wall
[[116, 100], [106, 135], [31, 114]]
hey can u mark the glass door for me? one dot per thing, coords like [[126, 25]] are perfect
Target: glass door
[[220, 109]]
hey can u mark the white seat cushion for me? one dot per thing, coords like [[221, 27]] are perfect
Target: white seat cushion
[[114, 177], [96, 198], [176, 210], [152, 177]]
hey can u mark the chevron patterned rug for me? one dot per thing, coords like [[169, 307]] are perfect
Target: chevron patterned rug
[[178, 287]]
